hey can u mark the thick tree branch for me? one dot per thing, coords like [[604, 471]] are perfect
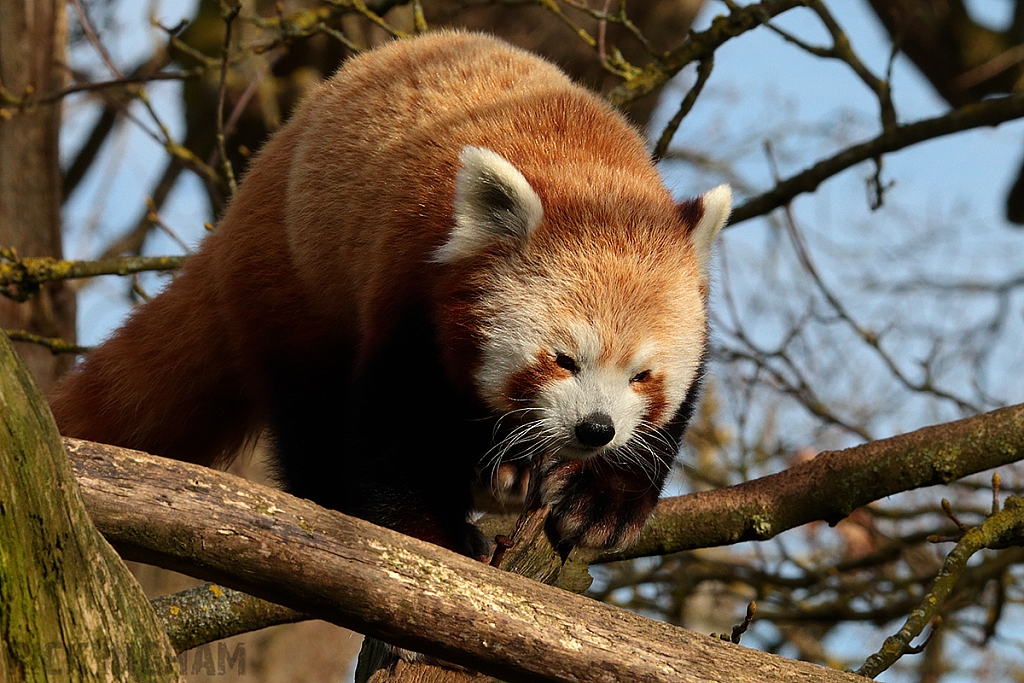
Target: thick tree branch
[[834, 484], [69, 608], [393, 587]]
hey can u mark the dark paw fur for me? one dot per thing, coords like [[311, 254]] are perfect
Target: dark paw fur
[[596, 505], [502, 489], [476, 545]]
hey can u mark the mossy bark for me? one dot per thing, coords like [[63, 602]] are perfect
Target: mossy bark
[[832, 485], [69, 608]]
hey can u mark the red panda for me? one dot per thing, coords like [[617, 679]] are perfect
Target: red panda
[[451, 256]]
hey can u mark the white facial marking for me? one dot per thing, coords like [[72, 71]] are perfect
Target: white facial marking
[[594, 389], [533, 310]]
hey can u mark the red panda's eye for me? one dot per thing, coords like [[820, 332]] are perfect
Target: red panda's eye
[[641, 376], [566, 363]]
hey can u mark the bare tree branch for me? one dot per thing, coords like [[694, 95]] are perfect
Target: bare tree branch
[[390, 586], [698, 47], [832, 485], [210, 612], [1004, 527], [21, 277], [987, 113]]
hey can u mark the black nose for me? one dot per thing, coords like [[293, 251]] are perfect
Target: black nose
[[595, 430]]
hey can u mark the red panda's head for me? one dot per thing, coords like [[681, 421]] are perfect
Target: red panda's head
[[586, 303]]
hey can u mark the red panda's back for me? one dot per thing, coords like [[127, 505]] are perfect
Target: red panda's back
[[372, 184]]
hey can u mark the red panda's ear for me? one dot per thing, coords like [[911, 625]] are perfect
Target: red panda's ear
[[492, 201], [704, 218]]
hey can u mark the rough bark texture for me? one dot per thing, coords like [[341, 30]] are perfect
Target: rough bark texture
[[526, 551], [834, 484], [69, 609], [390, 586], [210, 612], [32, 38]]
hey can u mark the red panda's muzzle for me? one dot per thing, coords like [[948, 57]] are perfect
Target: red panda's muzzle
[[595, 430]]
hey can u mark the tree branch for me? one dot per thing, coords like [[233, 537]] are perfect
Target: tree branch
[[54, 344], [21, 277], [69, 608], [210, 612], [987, 113], [832, 485], [698, 47], [1004, 527], [407, 592]]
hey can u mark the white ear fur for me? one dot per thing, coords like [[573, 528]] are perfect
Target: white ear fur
[[492, 200], [717, 204]]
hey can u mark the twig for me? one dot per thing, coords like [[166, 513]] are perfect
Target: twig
[[990, 112], [57, 346], [869, 337], [697, 48], [229, 16], [703, 72], [94, 40], [996, 481], [842, 51], [739, 629], [93, 86], [153, 216], [999, 530], [947, 507], [376, 18]]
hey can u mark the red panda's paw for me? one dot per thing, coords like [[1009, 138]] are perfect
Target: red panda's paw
[[592, 507], [502, 489], [476, 545]]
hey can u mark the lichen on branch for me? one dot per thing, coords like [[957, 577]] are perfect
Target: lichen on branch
[[20, 277]]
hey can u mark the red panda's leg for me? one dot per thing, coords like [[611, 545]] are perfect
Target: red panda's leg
[[164, 383], [392, 442]]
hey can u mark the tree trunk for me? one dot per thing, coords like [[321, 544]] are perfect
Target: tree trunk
[[32, 41], [69, 608]]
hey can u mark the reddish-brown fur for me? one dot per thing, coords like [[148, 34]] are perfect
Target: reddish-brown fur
[[319, 278], [183, 377]]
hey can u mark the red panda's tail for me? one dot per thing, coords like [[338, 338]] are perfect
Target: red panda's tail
[[165, 383]]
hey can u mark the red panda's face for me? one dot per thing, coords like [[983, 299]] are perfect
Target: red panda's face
[[589, 316], [585, 372]]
